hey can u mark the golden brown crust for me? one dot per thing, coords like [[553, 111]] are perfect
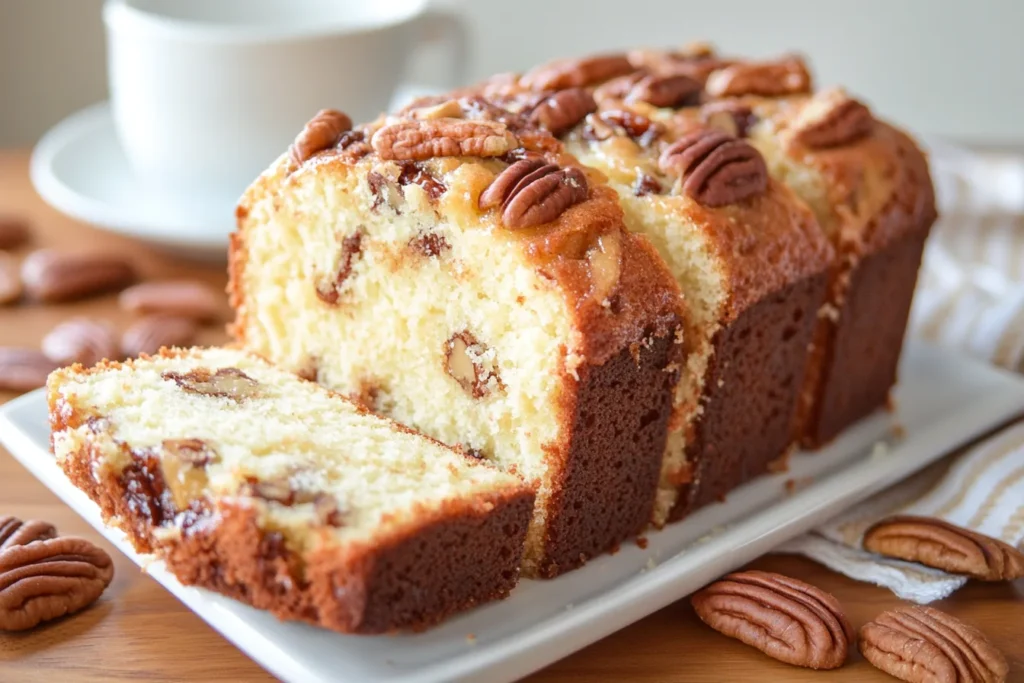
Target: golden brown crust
[[411, 576]]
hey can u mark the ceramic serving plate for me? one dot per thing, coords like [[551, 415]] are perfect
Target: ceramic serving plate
[[944, 400]]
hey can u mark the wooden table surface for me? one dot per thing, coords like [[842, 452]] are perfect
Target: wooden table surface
[[139, 632]]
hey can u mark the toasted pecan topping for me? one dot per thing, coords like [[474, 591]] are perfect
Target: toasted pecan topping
[[323, 131], [532, 192], [413, 173], [788, 76], [716, 169], [665, 91], [729, 116], [603, 125], [563, 110], [420, 140], [830, 119], [576, 73]]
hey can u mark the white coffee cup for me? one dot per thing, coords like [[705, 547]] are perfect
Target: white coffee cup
[[206, 93]]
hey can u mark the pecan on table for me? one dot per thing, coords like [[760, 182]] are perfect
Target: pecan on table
[[417, 140], [782, 617], [925, 645], [323, 131], [14, 532], [941, 545], [788, 76], [50, 578], [576, 73], [532, 192], [830, 119], [716, 169]]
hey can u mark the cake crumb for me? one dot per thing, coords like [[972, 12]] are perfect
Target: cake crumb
[[642, 542], [780, 464]]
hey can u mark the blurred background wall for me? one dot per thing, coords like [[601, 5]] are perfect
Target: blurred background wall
[[948, 67]]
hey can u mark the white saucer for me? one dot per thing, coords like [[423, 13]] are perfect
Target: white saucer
[[80, 169]]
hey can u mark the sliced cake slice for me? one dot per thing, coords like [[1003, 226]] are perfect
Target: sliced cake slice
[[269, 489], [456, 270]]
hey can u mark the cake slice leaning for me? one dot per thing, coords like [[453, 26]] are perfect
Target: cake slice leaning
[[254, 483], [456, 270]]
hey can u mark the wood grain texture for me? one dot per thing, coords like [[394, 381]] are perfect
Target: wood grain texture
[[139, 632]]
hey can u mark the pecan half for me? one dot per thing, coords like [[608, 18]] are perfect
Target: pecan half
[[323, 131], [23, 369], [935, 543], [532, 192], [153, 332], [830, 119], [576, 73], [353, 146], [420, 140], [49, 579], [186, 298], [716, 169], [14, 532], [782, 617], [54, 276], [563, 110], [465, 361], [925, 645], [329, 289], [729, 116], [413, 173], [666, 91], [81, 340], [229, 383], [788, 76], [10, 280], [639, 128], [14, 231]]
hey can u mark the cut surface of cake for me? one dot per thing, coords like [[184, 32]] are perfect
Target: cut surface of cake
[[751, 261], [265, 487], [455, 269]]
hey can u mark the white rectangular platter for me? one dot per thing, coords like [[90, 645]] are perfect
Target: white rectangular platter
[[944, 400]]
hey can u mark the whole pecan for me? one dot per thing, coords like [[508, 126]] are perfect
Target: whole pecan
[[782, 617], [935, 543], [788, 76], [81, 340], [418, 140], [666, 91], [153, 332], [10, 281], [14, 532], [532, 192], [49, 579], [832, 118], [186, 298], [563, 110], [23, 369], [716, 168], [925, 645], [576, 73], [323, 130], [229, 383], [53, 276]]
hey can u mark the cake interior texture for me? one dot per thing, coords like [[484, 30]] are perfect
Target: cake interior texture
[[264, 486]]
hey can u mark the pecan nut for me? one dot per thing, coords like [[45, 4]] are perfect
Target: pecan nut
[[637, 127], [532, 192], [560, 112], [666, 91], [716, 169], [54, 276], [923, 644], [729, 116], [191, 452], [229, 383], [787, 76], [14, 532], [831, 119], [576, 73], [23, 369], [150, 334], [49, 579], [466, 361], [941, 545], [14, 232], [81, 340], [419, 140], [328, 289], [185, 298], [10, 281], [786, 619], [323, 131]]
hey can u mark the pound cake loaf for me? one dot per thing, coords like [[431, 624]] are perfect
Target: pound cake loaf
[[748, 254], [869, 187], [453, 268], [264, 487]]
